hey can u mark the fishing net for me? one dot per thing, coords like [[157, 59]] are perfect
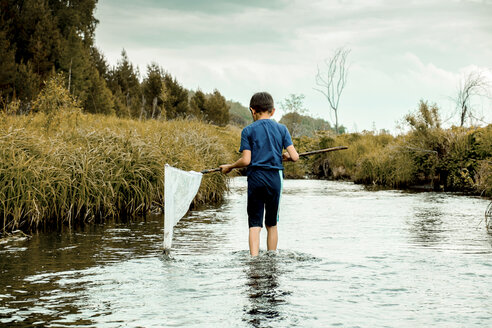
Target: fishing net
[[180, 187], [488, 217]]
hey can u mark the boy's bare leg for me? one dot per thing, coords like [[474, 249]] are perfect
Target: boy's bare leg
[[272, 238], [254, 240]]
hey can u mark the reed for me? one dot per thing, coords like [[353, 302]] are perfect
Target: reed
[[454, 159], [70, 168]]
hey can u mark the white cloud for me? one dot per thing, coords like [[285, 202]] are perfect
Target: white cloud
[[401, 51]]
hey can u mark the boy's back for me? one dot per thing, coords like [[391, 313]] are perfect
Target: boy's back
[[266, 140]]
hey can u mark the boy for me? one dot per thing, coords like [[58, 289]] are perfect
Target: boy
[[262, 143]]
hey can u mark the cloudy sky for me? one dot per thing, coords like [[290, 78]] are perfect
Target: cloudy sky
[[401, 51]]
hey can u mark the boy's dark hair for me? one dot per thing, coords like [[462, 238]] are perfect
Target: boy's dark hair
[[261, 102]]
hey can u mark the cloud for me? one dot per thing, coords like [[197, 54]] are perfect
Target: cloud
[[216, 7], [402, 51]]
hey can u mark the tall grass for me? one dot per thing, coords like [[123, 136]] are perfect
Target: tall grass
[[69, 168], [455, 159]]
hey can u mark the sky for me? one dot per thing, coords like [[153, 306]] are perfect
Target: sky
[[401, 52]]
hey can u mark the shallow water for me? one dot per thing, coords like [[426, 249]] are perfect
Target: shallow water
[[347, 257]]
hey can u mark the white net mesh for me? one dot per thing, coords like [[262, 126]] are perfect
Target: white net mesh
[[180, 187]]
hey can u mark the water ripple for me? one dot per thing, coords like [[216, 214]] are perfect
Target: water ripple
[[348, 257]]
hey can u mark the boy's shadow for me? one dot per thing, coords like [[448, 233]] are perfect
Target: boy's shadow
[[263, 291]]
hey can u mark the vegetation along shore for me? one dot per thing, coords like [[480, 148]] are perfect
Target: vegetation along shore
[[64, 167], [426, 157]]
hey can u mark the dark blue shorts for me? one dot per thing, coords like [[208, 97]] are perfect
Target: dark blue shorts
[[264, 191]]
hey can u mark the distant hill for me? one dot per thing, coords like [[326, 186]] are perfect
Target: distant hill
[[305, 125], [238, 114]]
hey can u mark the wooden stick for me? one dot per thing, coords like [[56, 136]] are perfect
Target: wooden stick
[[314, 152], [217, 169], [308, 153]]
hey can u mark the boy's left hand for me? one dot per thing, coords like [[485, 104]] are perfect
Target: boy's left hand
[[225, 168], [285, 157]]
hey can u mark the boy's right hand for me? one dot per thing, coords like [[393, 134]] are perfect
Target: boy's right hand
[[286, 157]]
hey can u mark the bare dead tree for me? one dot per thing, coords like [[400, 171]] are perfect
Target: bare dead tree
[[154, 106], [472, 85], [70, 75], [142, 109], [332, 79]]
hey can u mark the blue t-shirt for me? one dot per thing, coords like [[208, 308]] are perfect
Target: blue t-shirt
[[266, 139]]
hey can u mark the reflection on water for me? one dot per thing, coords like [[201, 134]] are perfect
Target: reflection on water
[[438, 220], [347, 257], [264, 292], [427, 226]]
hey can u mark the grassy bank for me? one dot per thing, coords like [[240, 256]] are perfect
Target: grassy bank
[[65, 168], [455, 159], [70, 168]]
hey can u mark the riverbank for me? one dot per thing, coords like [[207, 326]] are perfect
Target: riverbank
[[71, 168], [455, 159]]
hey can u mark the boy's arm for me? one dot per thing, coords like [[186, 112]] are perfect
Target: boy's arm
[[291, 154], [241, 162]]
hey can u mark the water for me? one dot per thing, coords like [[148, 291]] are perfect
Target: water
[[347, 257]]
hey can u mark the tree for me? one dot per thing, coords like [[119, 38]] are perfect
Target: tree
[[293, 108], [426, 118], [474, 84], [43, 46], [197, 104], [50, 36], [78, 15], [293, 104], [99, 98], [99, 60], [7, 66], [176, 102], [124, 83], [154, 90], [75, 60], [332, 79], [26, 85], [54, 97], [216, 109]]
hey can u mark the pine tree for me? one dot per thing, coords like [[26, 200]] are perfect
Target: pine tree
[[40, 38], [154, 90], [99, 97], [76, 15], [47, 35], [99, 60], [27, 85], [7, 66], [176, 103], [217, 109], [123, 82], [197, 104], [76, 62], [44, 41]]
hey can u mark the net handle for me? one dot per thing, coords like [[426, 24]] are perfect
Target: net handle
[[320, 151], [217, 169], [308, 153]]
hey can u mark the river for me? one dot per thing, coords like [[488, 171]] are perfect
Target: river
[[348, 257]]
